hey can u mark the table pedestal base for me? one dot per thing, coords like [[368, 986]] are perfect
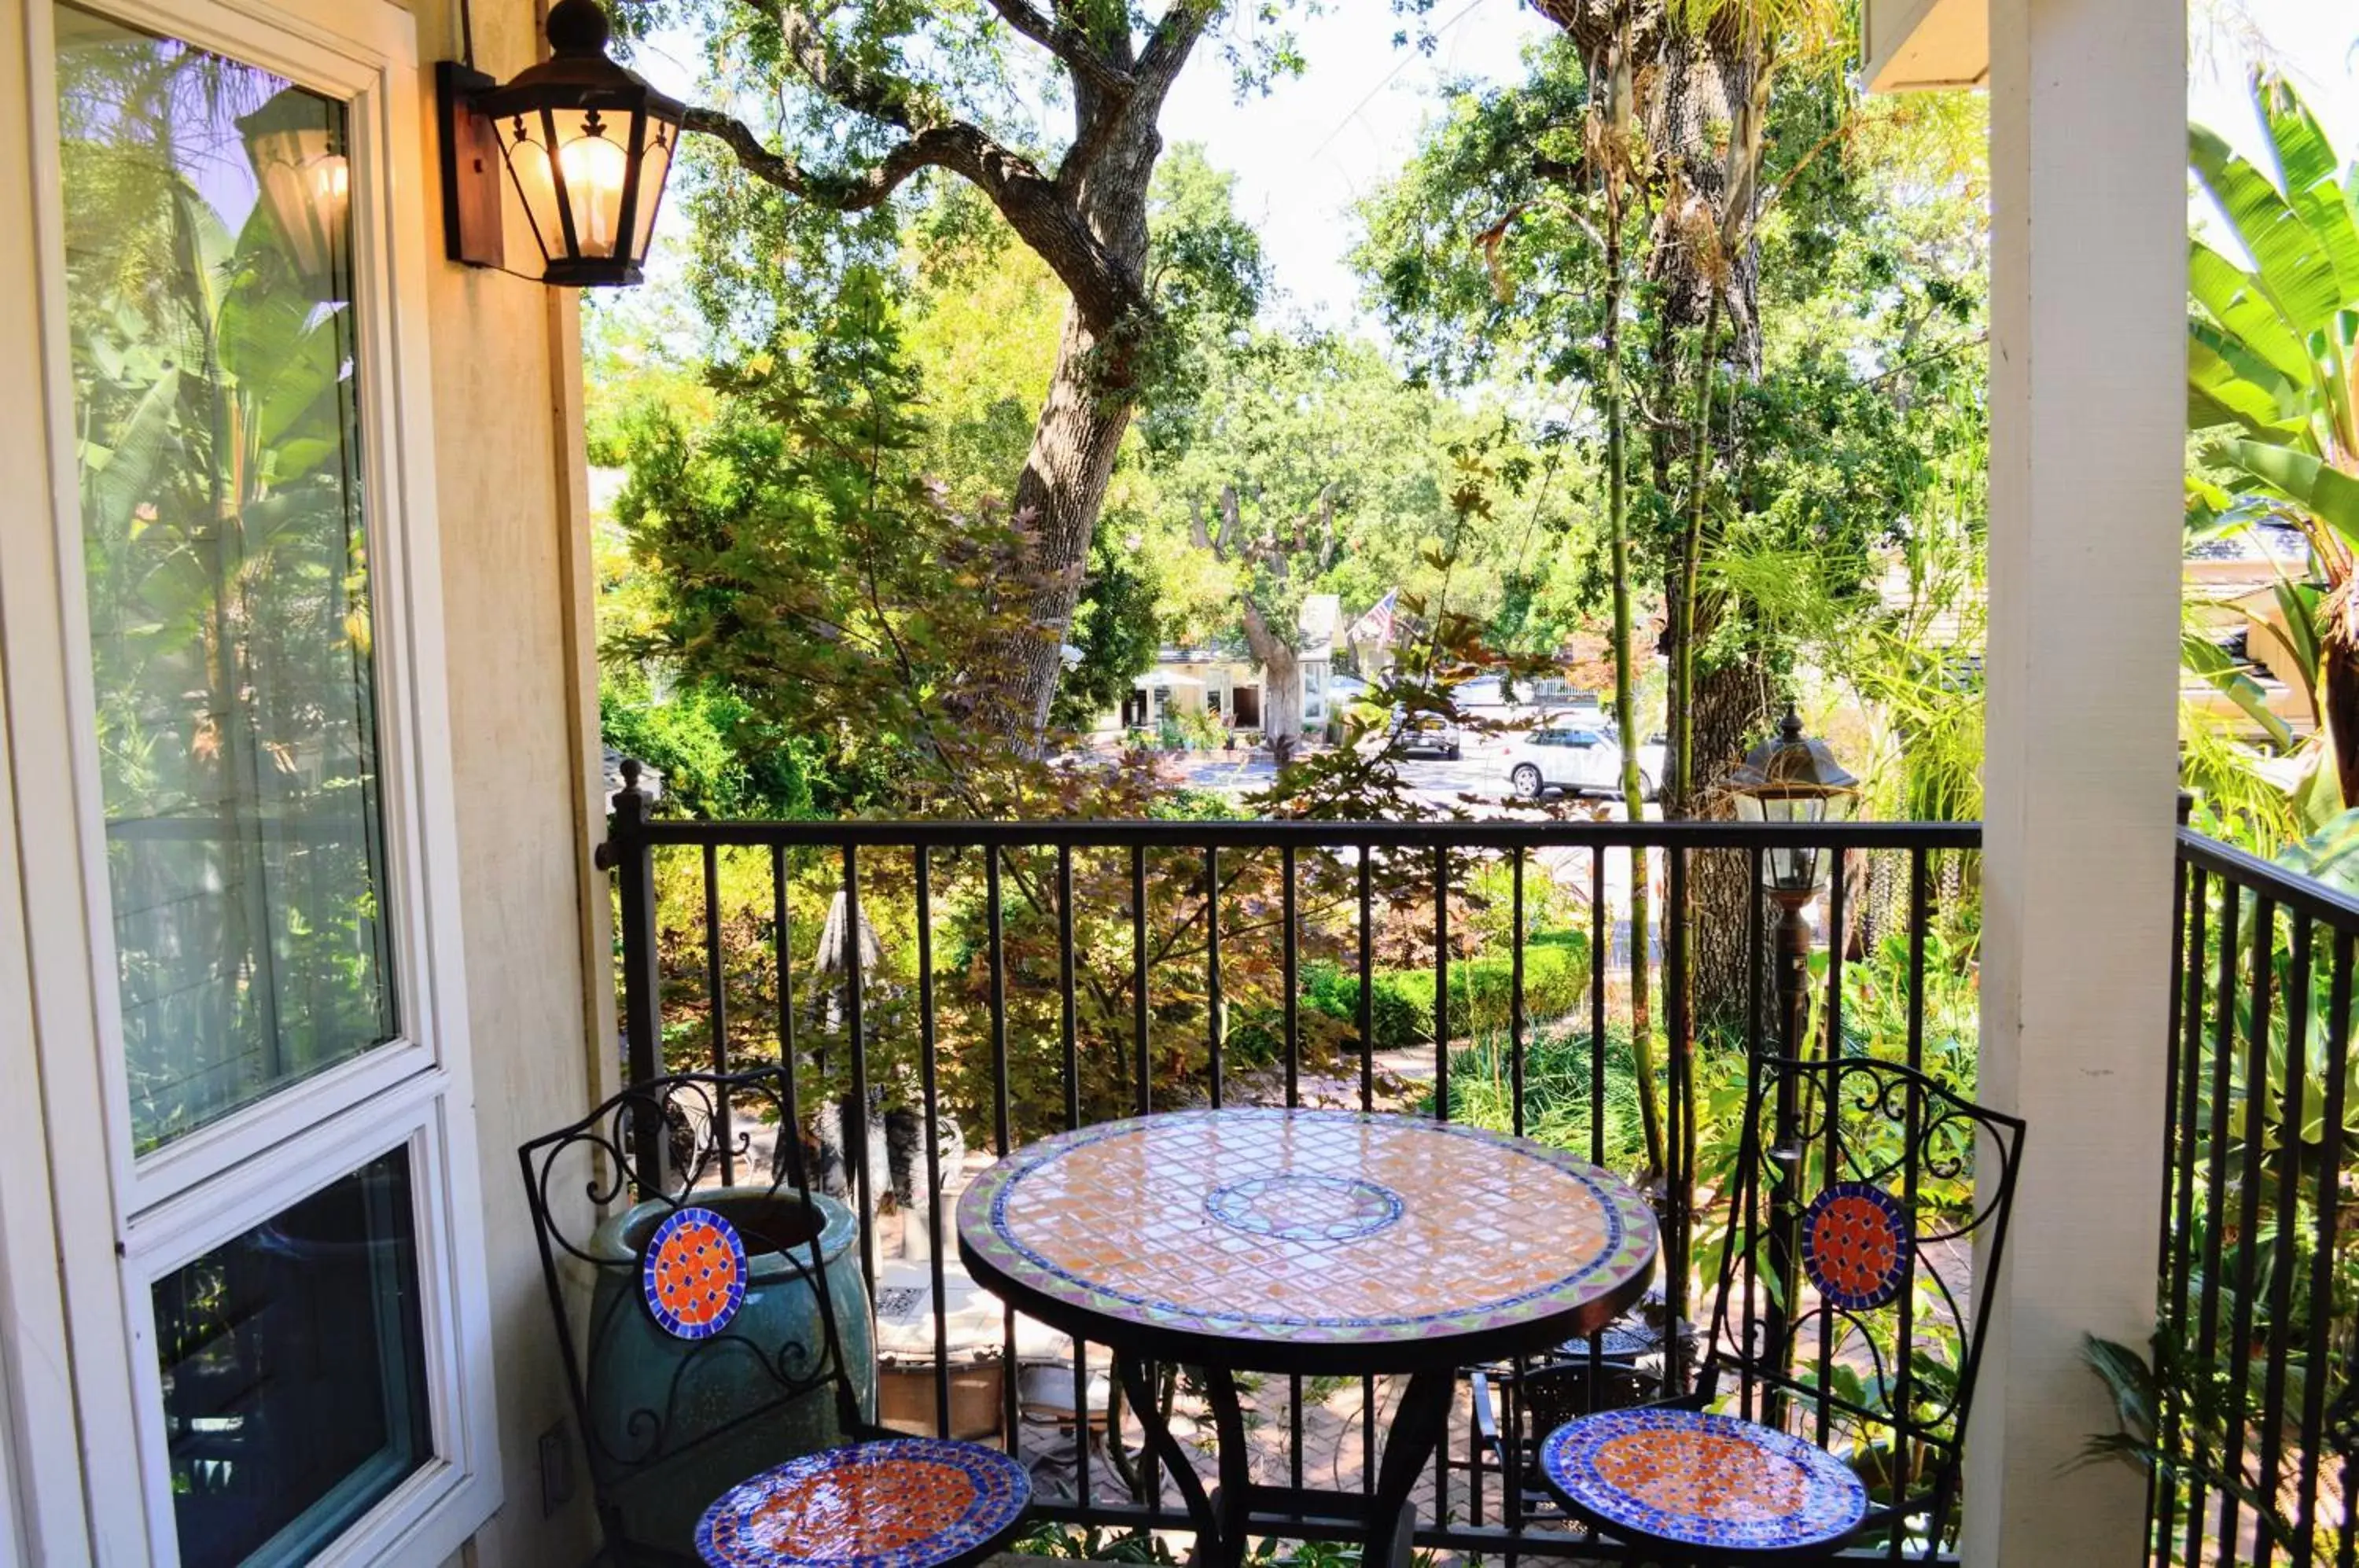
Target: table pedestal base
[[1386, 1517]]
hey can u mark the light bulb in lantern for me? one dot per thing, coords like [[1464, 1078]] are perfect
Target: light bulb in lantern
[[595, 170]]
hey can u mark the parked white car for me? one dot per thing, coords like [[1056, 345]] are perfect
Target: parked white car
[[1579, 759]]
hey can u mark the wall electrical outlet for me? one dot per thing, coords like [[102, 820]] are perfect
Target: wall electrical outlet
[[555, 1470]]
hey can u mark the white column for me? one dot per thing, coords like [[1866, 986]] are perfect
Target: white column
[[2088, 310]]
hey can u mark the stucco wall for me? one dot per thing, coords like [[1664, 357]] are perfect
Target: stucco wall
[[517, 591]]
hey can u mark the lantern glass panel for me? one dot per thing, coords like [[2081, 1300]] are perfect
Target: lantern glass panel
[[655, 169], [595, 167], [1792, 868]]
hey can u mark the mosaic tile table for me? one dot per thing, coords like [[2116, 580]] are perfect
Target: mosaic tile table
[[1314, 1242]]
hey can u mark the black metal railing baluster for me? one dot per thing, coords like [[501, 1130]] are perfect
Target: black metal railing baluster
[[1904, 1359], [1838, 880], [1757, 940], [2178, 1192], [1367, 1002], [1290, 980], [855, 1046], [1515, 996], [930, 1090], [1442, 984], [1680, 1042], [1601, 955], [629, 853], [2224, 1058], [716, 1002], [2325, 1229], [1214, 1021], [2293, 1089], [1069, 1014], [1070, 1039], [1003, 1140], [1367, 1011], [1138, 981], [1151, 1472], [2257, 1073]]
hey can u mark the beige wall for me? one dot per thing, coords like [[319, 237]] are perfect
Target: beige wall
[[516, 587]]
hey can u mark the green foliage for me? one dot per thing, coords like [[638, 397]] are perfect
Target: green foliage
[[1558, 1079], [1117, 629], [793, 555], [2273, 399], [1482, 991], [717, 759]]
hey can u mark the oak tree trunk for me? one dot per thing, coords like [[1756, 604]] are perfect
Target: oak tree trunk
[[1058, 496], [1281, 692]]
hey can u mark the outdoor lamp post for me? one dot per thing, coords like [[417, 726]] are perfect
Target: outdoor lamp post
[[1789, 778], [587, 146], [304, 178]]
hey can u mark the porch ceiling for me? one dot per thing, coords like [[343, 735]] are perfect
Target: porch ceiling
[[1915, 46]]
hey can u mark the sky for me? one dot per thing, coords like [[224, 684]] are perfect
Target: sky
[[1309, 149], [2315, 43]]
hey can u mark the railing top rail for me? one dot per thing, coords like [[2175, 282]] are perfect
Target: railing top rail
[[2292, 889], [1119, 834]]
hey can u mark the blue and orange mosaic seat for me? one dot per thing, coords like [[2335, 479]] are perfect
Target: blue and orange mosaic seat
[[1841, 1335], [913, 1502], [750, 1381]]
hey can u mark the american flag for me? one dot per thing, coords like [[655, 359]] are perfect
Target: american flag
[[1376, 626]]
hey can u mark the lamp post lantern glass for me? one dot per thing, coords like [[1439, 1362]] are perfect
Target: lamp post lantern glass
[[1789, 778], [589, 147]]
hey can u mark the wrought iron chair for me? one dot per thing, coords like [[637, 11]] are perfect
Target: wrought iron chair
[[1825, 1414], [724, 1379]]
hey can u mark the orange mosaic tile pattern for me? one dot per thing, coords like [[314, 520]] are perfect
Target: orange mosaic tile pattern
[[1702, 1475], [694, 1275], [907, 1503], [1856, 1245], [1321, 1224], [1703, 1480]]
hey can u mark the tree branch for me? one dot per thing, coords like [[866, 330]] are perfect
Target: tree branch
[[1067, 43], [878, 96], [1041, 215]]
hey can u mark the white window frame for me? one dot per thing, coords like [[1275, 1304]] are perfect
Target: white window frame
[[147, 1216]]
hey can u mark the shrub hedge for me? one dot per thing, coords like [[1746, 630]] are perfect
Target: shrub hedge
[[1556, 983]]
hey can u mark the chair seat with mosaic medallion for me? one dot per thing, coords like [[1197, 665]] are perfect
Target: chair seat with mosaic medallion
[[1785, 1450], [844, 1493]]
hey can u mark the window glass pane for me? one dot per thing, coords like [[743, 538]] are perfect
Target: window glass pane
[[207, 263], [294, 1373]]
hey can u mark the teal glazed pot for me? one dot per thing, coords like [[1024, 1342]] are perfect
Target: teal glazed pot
[[676, 1422]]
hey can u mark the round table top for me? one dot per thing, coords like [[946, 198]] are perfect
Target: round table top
[[1276, 1240]]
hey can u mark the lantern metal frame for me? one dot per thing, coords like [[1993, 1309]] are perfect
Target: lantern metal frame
[[492, 131], [1789, 777]]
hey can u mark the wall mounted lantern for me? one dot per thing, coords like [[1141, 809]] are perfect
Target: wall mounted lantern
[[586, 145], [304, 180]]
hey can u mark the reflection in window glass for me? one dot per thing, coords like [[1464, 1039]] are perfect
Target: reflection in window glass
[[294, 1379], [207, 216]]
